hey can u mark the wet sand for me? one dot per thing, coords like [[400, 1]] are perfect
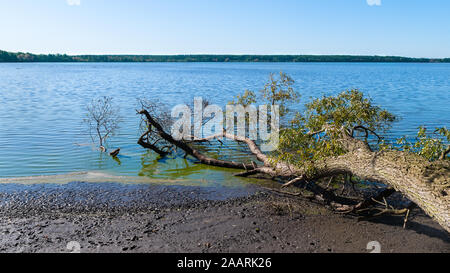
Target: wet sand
[[110, 217]]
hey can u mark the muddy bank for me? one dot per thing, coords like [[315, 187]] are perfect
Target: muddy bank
[[110, 217]]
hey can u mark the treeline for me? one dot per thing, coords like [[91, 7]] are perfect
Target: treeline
[[28, 57]]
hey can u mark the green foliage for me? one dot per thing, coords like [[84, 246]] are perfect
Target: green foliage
[[277, 91], [348, 109], [248, 98], [430, 145], [28, 57], [315, 134]]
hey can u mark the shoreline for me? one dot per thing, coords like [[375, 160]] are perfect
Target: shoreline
[[18, 57], [113, 217]]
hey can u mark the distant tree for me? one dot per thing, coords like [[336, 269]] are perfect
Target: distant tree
[[102, 119]]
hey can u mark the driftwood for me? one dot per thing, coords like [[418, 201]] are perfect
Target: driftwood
[[115, 152], [423, 182]]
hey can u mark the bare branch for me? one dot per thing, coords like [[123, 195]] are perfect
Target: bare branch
[[366, 130], [191, 151], [247, 173], [292, 182], [102, 118], [445, 153], [148, 145]]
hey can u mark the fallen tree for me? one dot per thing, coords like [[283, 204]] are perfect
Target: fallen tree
[[326, 143]]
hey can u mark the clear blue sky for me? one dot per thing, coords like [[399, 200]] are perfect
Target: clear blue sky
[[416, 28]]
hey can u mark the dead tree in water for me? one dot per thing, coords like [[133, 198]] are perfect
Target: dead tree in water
[[102, 119], [324, 143]]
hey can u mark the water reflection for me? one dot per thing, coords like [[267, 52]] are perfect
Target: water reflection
[[117, 159]]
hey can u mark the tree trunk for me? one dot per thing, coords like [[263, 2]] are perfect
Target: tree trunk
[[425, 183]]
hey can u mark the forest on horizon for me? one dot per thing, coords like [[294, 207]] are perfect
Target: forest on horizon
[[29, 57]]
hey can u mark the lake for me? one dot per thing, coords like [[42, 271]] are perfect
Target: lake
[[42, 106]]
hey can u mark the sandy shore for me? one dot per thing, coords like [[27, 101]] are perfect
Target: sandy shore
[[109, 217]]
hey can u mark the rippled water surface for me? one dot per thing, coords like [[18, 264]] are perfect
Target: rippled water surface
[[42, 107]]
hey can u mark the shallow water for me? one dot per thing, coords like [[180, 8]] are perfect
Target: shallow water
[[42, 107]]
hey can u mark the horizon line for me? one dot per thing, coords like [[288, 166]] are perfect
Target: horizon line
[[27, 57], [223, 54]]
